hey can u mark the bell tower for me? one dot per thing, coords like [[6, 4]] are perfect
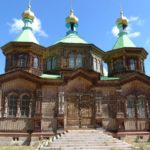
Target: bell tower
[[24, 52]]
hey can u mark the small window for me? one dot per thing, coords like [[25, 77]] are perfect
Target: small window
[[15, 138], [71, 61], [35, 62], [79, 60], [118, 65], [21, 61], [132, 64]]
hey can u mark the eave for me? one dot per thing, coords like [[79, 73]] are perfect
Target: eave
[[22, 47]]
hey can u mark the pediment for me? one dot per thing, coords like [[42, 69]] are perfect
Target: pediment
[[136, 76], [27, 76], [81, 80], [78, 84], [13, 75], [89, 75]]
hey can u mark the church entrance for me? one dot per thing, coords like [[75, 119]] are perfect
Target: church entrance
[[80, 111]]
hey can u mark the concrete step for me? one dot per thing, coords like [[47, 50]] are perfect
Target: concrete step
[[85, 140]]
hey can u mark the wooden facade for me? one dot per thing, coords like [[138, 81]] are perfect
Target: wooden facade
[[80, 97]]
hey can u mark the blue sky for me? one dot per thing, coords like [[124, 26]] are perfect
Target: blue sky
[[96, 22]]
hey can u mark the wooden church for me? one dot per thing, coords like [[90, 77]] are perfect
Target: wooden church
[[45, 90]]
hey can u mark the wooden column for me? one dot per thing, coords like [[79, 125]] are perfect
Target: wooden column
[[124, 62], [6, 107], [38, 101], [65, 111]]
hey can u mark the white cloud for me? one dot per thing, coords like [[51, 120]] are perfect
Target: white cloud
[[147, 43], [115, 31], [136, 20], [133, 20], [17, 24], [134, 34]]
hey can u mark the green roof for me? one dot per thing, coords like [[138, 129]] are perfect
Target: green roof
[[105, 78], [72, 38], [26, 36], [50, 76], [123, 41]]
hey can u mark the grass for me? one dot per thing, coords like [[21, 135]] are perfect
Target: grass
[[16, 148], [142, 145], [139, 145]]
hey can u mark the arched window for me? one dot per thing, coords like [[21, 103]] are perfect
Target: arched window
[[49, 64], [132, 64], [141, 111], [79, 60], [24, 105], [71, 61], [35, 62], [21, 61], [12, 105], [131, 106]]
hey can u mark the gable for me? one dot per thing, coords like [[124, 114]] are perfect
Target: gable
[[18, 84], [78, 84], [136, 86]]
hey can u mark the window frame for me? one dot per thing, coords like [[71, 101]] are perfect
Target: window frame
[[12, 108], [36, 62], [131, 112], [24, 106]]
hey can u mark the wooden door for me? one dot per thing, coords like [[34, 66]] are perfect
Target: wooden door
[[80, 112], [72, 112], [86, 115]]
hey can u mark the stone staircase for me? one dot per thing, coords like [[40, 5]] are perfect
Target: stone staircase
[[84, 140]]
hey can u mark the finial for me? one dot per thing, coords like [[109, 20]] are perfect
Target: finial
[[28, 14], [72, 18], [72, 21], [29, 4], [122, 20], [71, 12], [121, 9], [71, 4]]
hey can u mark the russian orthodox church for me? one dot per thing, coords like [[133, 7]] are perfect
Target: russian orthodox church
[[48, 89]]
